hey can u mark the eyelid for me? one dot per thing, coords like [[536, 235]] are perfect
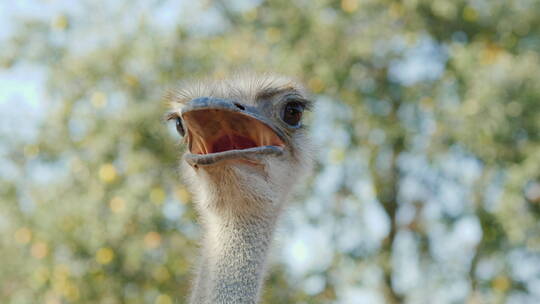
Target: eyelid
[[306, 104], [171, 115]]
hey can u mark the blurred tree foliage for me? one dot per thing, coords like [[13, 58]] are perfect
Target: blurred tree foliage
[[438, 101]]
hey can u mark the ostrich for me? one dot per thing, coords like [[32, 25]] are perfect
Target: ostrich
[[246, 149]]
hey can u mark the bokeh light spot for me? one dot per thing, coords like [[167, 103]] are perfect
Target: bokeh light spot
[[396, 10], [31, 151], [152, 240], [491, 54], [316, 85], [501, 283], [98, 100], [349, 6], [161, 274], [107, 173], [41, 275], [104, 255], [250, 15], [163, 299], [71, 292], [39, 250], [273, 35], [117, 204], [337, 155], [470, 14], [60, 22], [157, 195], [131, 80], [23, 235], [183, 194], [52, 298]]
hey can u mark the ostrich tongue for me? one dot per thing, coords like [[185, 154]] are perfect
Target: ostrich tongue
[[214, 131]]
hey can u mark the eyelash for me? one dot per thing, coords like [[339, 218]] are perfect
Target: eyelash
[[306, 104], [171, 116]]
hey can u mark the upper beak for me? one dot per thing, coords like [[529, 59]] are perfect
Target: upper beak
[[218, 129]]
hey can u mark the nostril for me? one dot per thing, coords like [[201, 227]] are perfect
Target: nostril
[[241, 107]]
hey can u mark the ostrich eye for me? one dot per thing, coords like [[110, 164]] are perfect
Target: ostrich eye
[[180, 127], [292, 113]]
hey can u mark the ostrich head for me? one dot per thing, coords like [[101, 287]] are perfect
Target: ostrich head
[[246, 144]]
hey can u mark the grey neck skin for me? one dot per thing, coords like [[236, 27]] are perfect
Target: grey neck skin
[[233, 258]]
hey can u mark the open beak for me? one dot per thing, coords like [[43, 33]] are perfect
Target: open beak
[[219, 129]]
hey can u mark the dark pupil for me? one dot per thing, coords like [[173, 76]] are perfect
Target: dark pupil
[[179, 127], [292, 113]]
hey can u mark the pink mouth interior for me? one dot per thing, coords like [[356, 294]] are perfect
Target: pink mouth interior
[[234, 142], [212, 131]]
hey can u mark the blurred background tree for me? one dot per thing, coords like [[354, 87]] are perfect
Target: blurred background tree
[[427, 188]]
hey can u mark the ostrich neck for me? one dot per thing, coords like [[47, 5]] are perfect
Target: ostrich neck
[[234, 252]]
